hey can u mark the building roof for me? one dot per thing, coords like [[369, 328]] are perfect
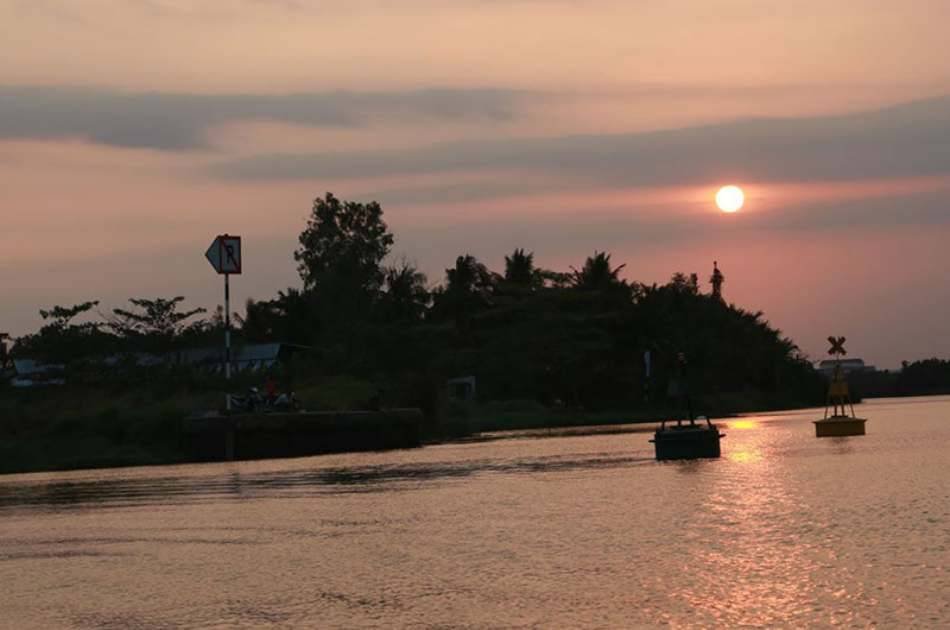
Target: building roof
[[842, 362], [244, 353], [847, 365], [32, 367]]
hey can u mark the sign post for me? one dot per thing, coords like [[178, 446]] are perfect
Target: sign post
[[224, 254]]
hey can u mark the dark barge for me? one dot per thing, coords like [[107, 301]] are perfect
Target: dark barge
[[690, 440]]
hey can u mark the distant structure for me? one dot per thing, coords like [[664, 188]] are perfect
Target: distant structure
[[461, 388], [827, 366], [30, 373], [251, 357], [716, 280], [4, 353], [837, 367]]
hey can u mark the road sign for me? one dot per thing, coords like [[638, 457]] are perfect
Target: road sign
[[225, 254], [837, 346]]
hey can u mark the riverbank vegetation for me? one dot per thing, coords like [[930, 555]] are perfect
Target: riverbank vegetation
[[928, 377], [545, 347]]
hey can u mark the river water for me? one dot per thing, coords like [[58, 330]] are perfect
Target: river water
[[529, 530]]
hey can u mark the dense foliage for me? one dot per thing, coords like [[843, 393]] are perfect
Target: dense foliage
[[572, 339], [919, 378]]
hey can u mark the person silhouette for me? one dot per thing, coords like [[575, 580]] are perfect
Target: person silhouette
[[270, 389]]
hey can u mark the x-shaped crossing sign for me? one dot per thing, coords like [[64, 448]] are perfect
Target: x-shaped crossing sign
[[837, 346]]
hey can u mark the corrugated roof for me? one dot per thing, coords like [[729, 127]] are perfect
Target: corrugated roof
[[28, 367]]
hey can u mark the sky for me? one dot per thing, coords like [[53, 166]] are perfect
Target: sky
[[134, 131]]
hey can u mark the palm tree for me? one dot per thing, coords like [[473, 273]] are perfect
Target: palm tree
[[469, 286], [597, 274], [520, 270], [469, 276], [405, 293]]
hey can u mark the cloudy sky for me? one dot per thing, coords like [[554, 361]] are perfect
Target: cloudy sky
[[133, 131]]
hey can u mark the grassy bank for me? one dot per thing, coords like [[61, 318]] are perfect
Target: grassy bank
[[132, 424], [69, 428], [88, 426], [462, 419]]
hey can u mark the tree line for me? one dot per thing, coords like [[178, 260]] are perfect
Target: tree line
[[574, 338], [926, 377]]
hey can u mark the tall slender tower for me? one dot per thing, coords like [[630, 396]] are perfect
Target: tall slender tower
[[716, 280], [4, 353]]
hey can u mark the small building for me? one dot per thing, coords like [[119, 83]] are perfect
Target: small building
[[32, 373], [134, 359], [462, 388], [249, 356], [827, 367]]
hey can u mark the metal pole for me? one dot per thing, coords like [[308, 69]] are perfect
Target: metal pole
[[227, 335]]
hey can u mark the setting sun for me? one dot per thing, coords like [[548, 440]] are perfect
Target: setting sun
[[730, 198]]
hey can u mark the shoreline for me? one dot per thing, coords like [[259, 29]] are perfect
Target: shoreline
[[112, 441]]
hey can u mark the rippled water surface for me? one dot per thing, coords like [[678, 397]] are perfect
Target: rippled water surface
[[524, 531]]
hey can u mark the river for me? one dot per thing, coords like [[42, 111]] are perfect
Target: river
[[521, 530]]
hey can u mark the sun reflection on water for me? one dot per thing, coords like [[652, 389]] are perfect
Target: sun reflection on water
[[745, 456], [743, 424], [750, 554]]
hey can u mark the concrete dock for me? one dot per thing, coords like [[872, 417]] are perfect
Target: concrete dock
[[216, 437]]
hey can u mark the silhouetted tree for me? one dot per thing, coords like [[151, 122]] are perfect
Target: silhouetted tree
[[61, 317], [155, 324], [469, 276], [63, 340], [555, 279], [685, 284], [288, 317], [597, 274], [258, 321], [468, 289], [573, 338], [343, 239], [930, 376], [520, 270], [405, 296]]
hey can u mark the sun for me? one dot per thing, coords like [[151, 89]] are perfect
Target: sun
[[730, 198]]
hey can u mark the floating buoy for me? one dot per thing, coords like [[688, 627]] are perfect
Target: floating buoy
[[840, 423]]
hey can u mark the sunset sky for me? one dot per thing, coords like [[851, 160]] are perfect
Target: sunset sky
[[133, 131]]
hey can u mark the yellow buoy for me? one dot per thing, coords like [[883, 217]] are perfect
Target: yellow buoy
[[840, 423]]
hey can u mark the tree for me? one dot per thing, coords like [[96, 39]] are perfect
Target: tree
[[61, 317], [469, 276], [405, 296], [344, 239], [469, 286], [555, 279], [288, 317], [156, 324], [258, 324], [682, 283], [597, 274], [520, 270], [60, 339]]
